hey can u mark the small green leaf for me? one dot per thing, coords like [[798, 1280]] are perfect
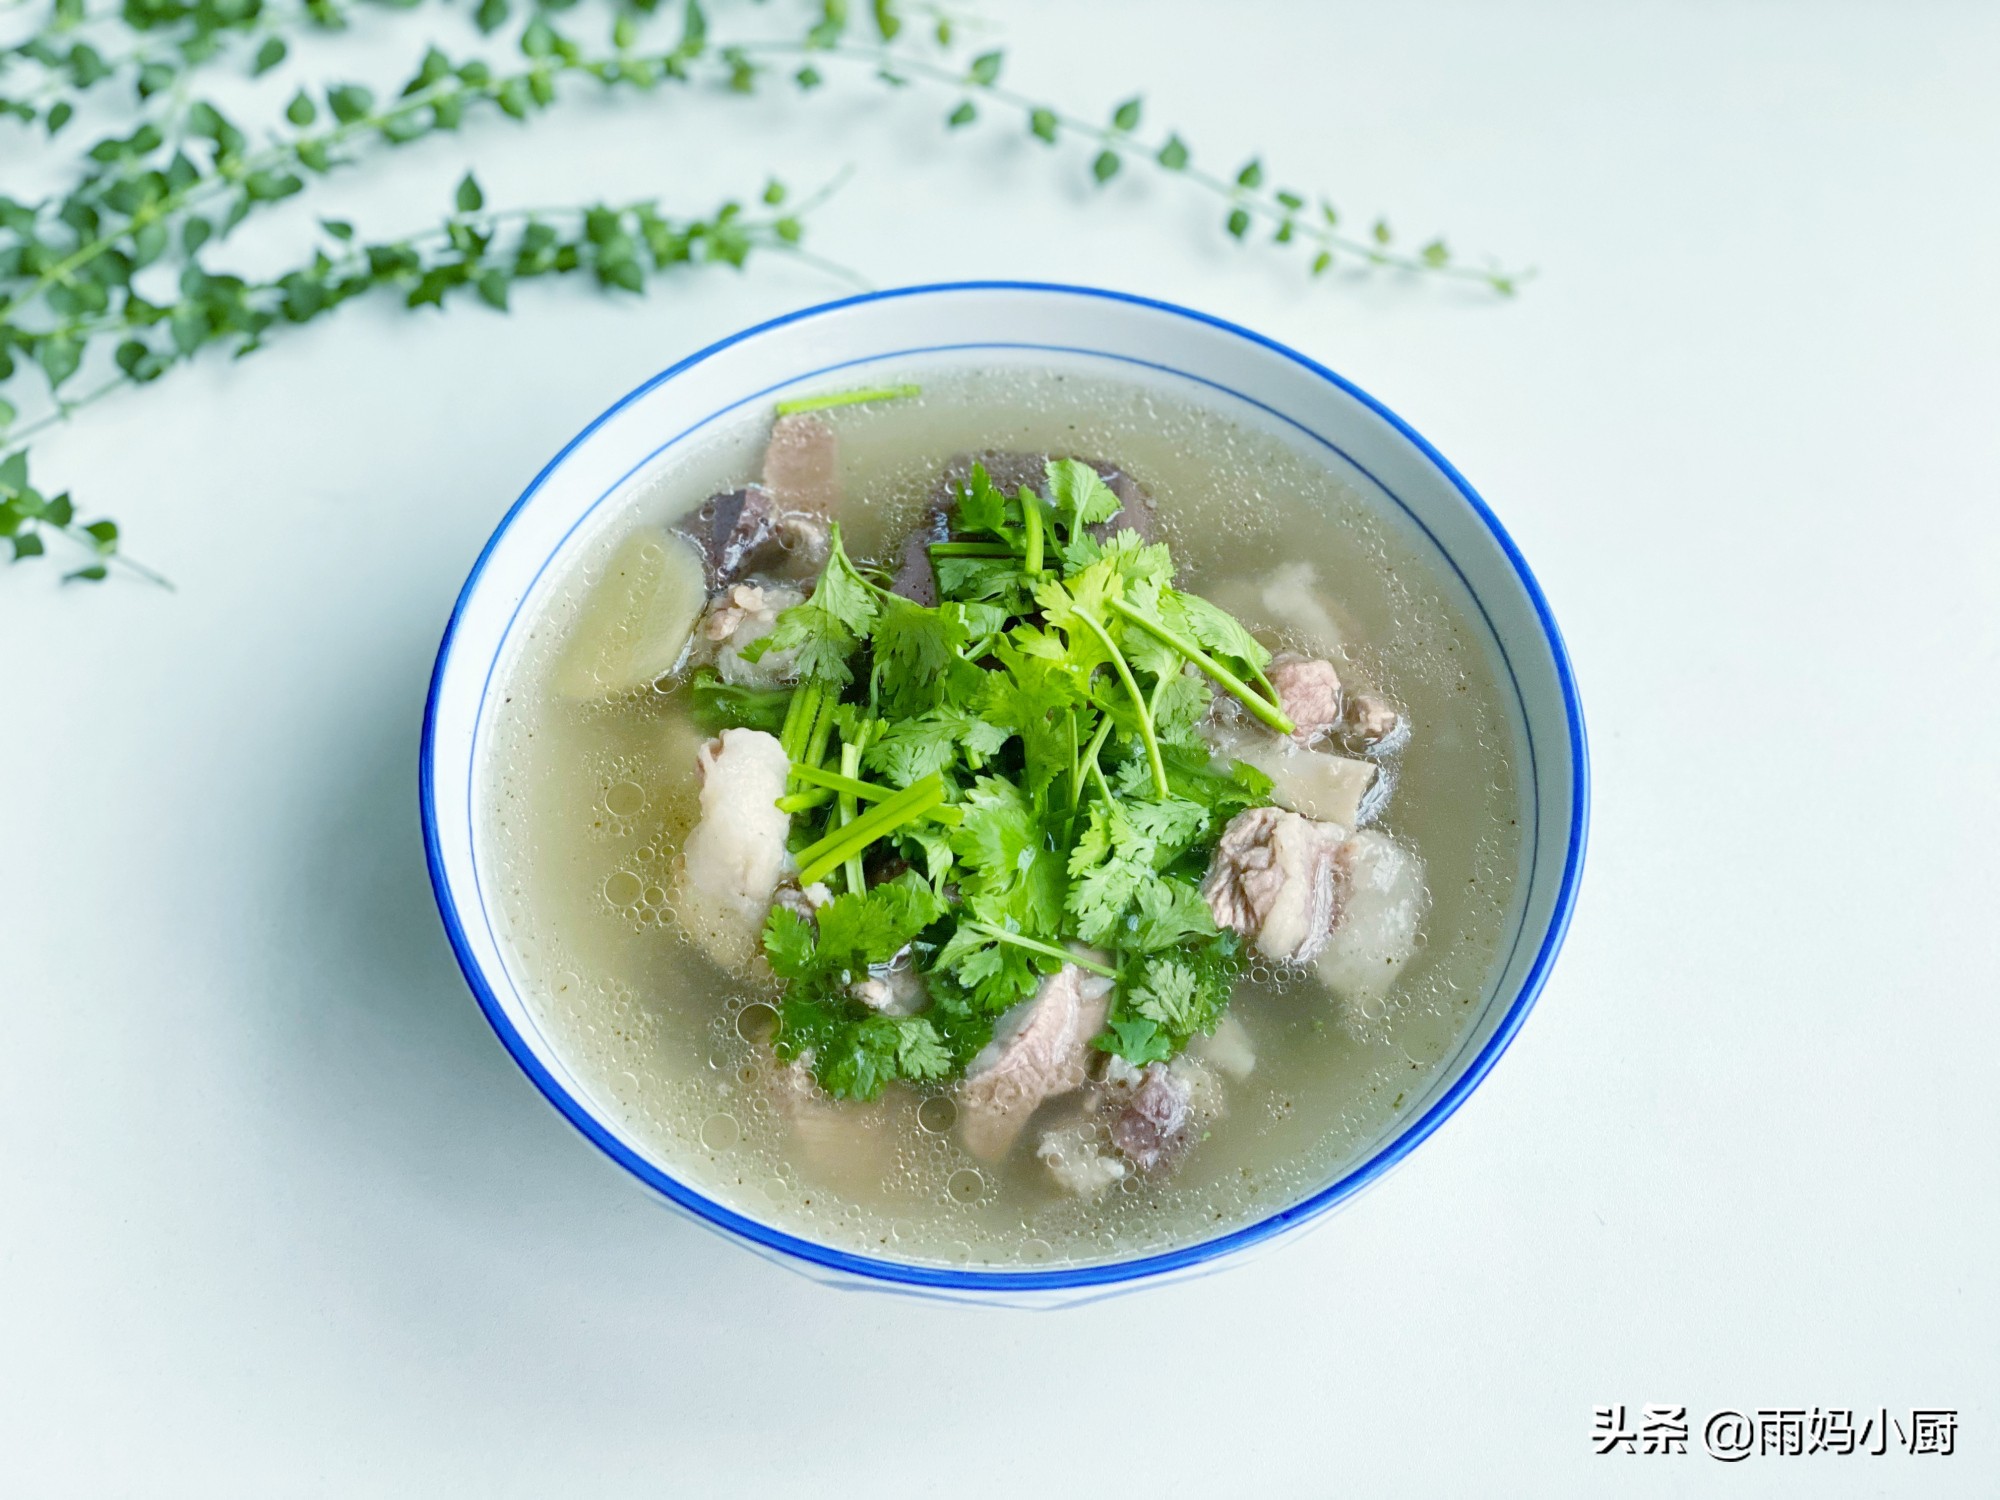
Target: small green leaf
[[58, 116], [1126, 115], [468, 197], [340, 229], [1105, 167], [1381, 231], [1436, 253], [59, 357], [268, 56], [1291, 200], [774, 192], [985, 69], [1252, 175], [301, 111], [540, 39], [887, 22], [7, 413], [1174, 155], [492, 289], [1042, 124], [965, 114], [491, 16], [1321, 262], [1238, 222], [349, 102], [808, 78], [95, 573], [27, 544]]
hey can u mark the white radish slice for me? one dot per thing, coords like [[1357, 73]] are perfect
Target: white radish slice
[[1326, 788], [636, 622], [1382, 904]]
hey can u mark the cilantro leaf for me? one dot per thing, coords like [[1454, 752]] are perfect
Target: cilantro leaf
[[1109, 864], [825, 630], [1213, 629], [913, 646], [1164, 914], [718, 705], [873, 926], [911, 749], [1137, 1039], [1080, 494], [981, 506], [1172, 825], [789, 943]]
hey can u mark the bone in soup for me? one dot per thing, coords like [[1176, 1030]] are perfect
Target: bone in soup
[[1036, 820]]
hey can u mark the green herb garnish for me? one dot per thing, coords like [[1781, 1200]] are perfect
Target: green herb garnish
[[1029, 751], [847, 398]]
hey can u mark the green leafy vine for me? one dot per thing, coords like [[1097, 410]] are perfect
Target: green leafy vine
[[120, 278]]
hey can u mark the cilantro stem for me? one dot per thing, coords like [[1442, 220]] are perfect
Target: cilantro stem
[[850, 762], [1103, 786], [971, 549], [822, 730], [1031, 521], [1228, 679], [1036, 945], [1089, 762], [866, 791], [798, 802], [802, 709], [846, 398], [1124, 670], [915, 801]]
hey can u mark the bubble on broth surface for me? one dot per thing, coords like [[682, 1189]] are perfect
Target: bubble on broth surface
[[638, 1014]]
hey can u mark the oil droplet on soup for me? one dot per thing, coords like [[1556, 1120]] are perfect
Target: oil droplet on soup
[[582, 794]]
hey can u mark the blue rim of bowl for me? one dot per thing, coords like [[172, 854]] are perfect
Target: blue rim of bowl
[[1104, 1273]]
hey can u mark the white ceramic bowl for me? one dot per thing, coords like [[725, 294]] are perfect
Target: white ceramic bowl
[[898, 333]]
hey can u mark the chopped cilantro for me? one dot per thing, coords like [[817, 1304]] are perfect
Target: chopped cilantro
[[1039, 783]]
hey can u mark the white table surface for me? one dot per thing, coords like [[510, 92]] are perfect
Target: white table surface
[[280, 1217]]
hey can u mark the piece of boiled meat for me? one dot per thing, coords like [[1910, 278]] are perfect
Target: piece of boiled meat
[[780, 525], [1309, 692], [1382, 902], [1079, 1158], [1371, 725], [894, 988], [851, 1142], [1040, 1048], [802, 466], [739, 615], [1152, 1127], [1274, 880], [1228, 1049], [735, 857]]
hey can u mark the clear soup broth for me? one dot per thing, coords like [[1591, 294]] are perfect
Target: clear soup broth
[[588, 805]]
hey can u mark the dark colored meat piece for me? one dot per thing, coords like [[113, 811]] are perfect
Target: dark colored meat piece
[[1010, 470], [740, 533], [1139, 514], [1153, 1126], [915, 579]]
